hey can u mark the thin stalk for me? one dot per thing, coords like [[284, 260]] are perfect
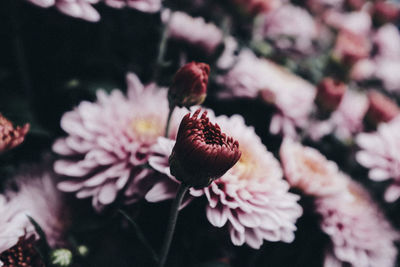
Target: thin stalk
[[172, 223], [162, 48], [171, 110]]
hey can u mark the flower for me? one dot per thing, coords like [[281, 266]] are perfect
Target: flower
[[22, 253], [360, 234], [255, 7], [108, 142], [355, 22], [350, 47], [149, 6], [194, 31], [190, 85], [380, 153], [387, 41], [11, 137], [82, 9], [37, 197], [252, 77], [330, 93], [252, 199], [387, 70], [291, 27], [202, 153], [385, 11], [308, 170], [381, 108]]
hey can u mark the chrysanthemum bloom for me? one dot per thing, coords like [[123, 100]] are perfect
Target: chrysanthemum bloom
[[355, 22], [149, 6], [38, 197], [23, 253], [194, 31], [350, 47], [345, 121], [291, 27], [108, 142], [82, 9], [252, 199], [387, 41], [202, 153], [11, 137], [308, 170], [189, 86], [385, 11], [252, 77], [330, 93], [381, 108], [380, 153], [360, 234]]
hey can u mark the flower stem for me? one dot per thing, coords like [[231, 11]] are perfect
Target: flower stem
[[172, 223], [171, 110], [162, 48]]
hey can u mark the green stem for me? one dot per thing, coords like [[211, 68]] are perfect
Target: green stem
[[172, 223], [171, 110], [162, 47]]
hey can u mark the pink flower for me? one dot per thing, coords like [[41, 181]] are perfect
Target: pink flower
[[150, 6], [350, 48], [318, 6], [360, 234], [289, 23], [252, 77], [255, 7], [381, 108], [82, 9], [387, 70], [37, 197], [252, 199], [356, 22], [380, 152], [109, 141], [385, 11], [308, 170], [387, 40], [345, 121], [330, 93], [194, 31]]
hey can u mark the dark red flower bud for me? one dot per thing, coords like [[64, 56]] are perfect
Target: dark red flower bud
[[11, 137], [23, 253], [189, 86], [351, 47], [202, 153], [381, 108], [384, 12], [330, 93]]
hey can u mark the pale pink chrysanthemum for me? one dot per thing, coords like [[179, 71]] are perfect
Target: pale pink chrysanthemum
[[380, 152], [358, 22], [360, 234], [252, 199], [38, 197], [195, 31], [252, 77], [82, 9], [387, 40], [108, 142], [344, 122], [308, 170], [149, 6], [291, 27], [387, 70]]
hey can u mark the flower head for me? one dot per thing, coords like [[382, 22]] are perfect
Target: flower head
[[351, 47], [309, 170], [11, 137], [251, 198], [189, 86], [202, 153], [385, 11], [23, 253], [360, 234], [258, 6], [108, 142], [380, 153], [330, 93], [381, 108]]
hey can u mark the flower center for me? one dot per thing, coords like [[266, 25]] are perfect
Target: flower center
[[147, 128], [313, 166], [245, 167]]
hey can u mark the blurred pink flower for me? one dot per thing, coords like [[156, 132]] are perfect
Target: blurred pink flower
[[350, 47], [149, 6], [387, 70], [252, 77], [38, 197], [358, 22], [291, 27], [255, 7], [252, 199], [346, 121], [387, 40], [82, 9], [363, 69], [194, 31], [380, 152], [308, 170], [360, 234], [318, 6], [108, 142]]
